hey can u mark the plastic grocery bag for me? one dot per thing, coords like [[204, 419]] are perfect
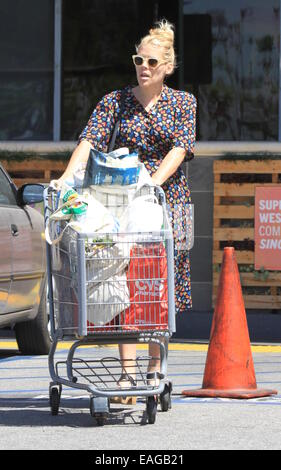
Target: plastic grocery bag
[[148, 288], [117, 197], [97, 218], [116, 167], [68, 203], [70, 206], [143, 214], [104, 261], [83, 214], [106, 300]]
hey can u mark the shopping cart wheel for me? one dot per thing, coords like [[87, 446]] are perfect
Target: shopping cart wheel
[[55, 394], [99, 409], [165, 397], [151, 409]]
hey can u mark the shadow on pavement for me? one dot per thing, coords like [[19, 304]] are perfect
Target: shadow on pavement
[[36, 412], [5, 353]]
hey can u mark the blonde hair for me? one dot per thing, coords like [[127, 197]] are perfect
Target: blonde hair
[[162, 34]]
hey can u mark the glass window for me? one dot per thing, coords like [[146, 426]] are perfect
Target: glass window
[[26, 69], [99, 39], [7, 196], [236, 80]]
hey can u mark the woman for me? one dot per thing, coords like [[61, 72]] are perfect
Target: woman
[[159, 123]]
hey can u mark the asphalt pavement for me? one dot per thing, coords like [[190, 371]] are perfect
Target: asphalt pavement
[[192, 423]]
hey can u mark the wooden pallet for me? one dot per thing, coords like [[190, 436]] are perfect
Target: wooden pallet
[[233, 225], [34, 169]]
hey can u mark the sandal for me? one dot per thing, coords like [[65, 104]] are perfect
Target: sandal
[[127, 382], [153, 378], [126, 379]]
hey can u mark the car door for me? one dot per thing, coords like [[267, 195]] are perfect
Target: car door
[[28, 251], [25, 280], [25, 226], [6, 196]]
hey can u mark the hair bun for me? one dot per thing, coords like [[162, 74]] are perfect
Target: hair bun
[[163, 29]]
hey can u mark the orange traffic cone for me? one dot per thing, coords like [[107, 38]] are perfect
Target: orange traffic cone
[[229, 369]]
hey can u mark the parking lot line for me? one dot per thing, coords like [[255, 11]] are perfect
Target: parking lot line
[[203, 347]]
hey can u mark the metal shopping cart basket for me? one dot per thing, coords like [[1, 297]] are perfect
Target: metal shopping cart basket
[[107, 289]]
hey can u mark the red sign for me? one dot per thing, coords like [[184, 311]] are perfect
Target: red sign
[[268, 228]]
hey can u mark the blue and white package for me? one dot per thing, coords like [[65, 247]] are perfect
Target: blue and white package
[[107, 169]]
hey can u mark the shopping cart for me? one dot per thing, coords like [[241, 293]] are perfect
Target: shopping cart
[[108, 289]]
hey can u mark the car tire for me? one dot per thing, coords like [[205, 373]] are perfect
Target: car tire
[[33, 336]]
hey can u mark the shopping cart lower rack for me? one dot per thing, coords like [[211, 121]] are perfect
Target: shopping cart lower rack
[[108, 289]]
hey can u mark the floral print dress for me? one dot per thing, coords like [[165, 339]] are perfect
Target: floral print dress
[[169, 123]]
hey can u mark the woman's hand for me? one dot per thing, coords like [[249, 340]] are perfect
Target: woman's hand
[[57, 184], [80, 155]]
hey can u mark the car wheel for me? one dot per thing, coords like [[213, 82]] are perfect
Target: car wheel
[[33, 337]]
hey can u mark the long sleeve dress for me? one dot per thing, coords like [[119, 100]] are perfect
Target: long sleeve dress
[[152, 134]]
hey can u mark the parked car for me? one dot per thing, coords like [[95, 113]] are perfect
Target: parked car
[[23, 267]]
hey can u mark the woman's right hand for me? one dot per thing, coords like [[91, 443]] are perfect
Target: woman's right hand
[[57, 184], [80, 155]]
